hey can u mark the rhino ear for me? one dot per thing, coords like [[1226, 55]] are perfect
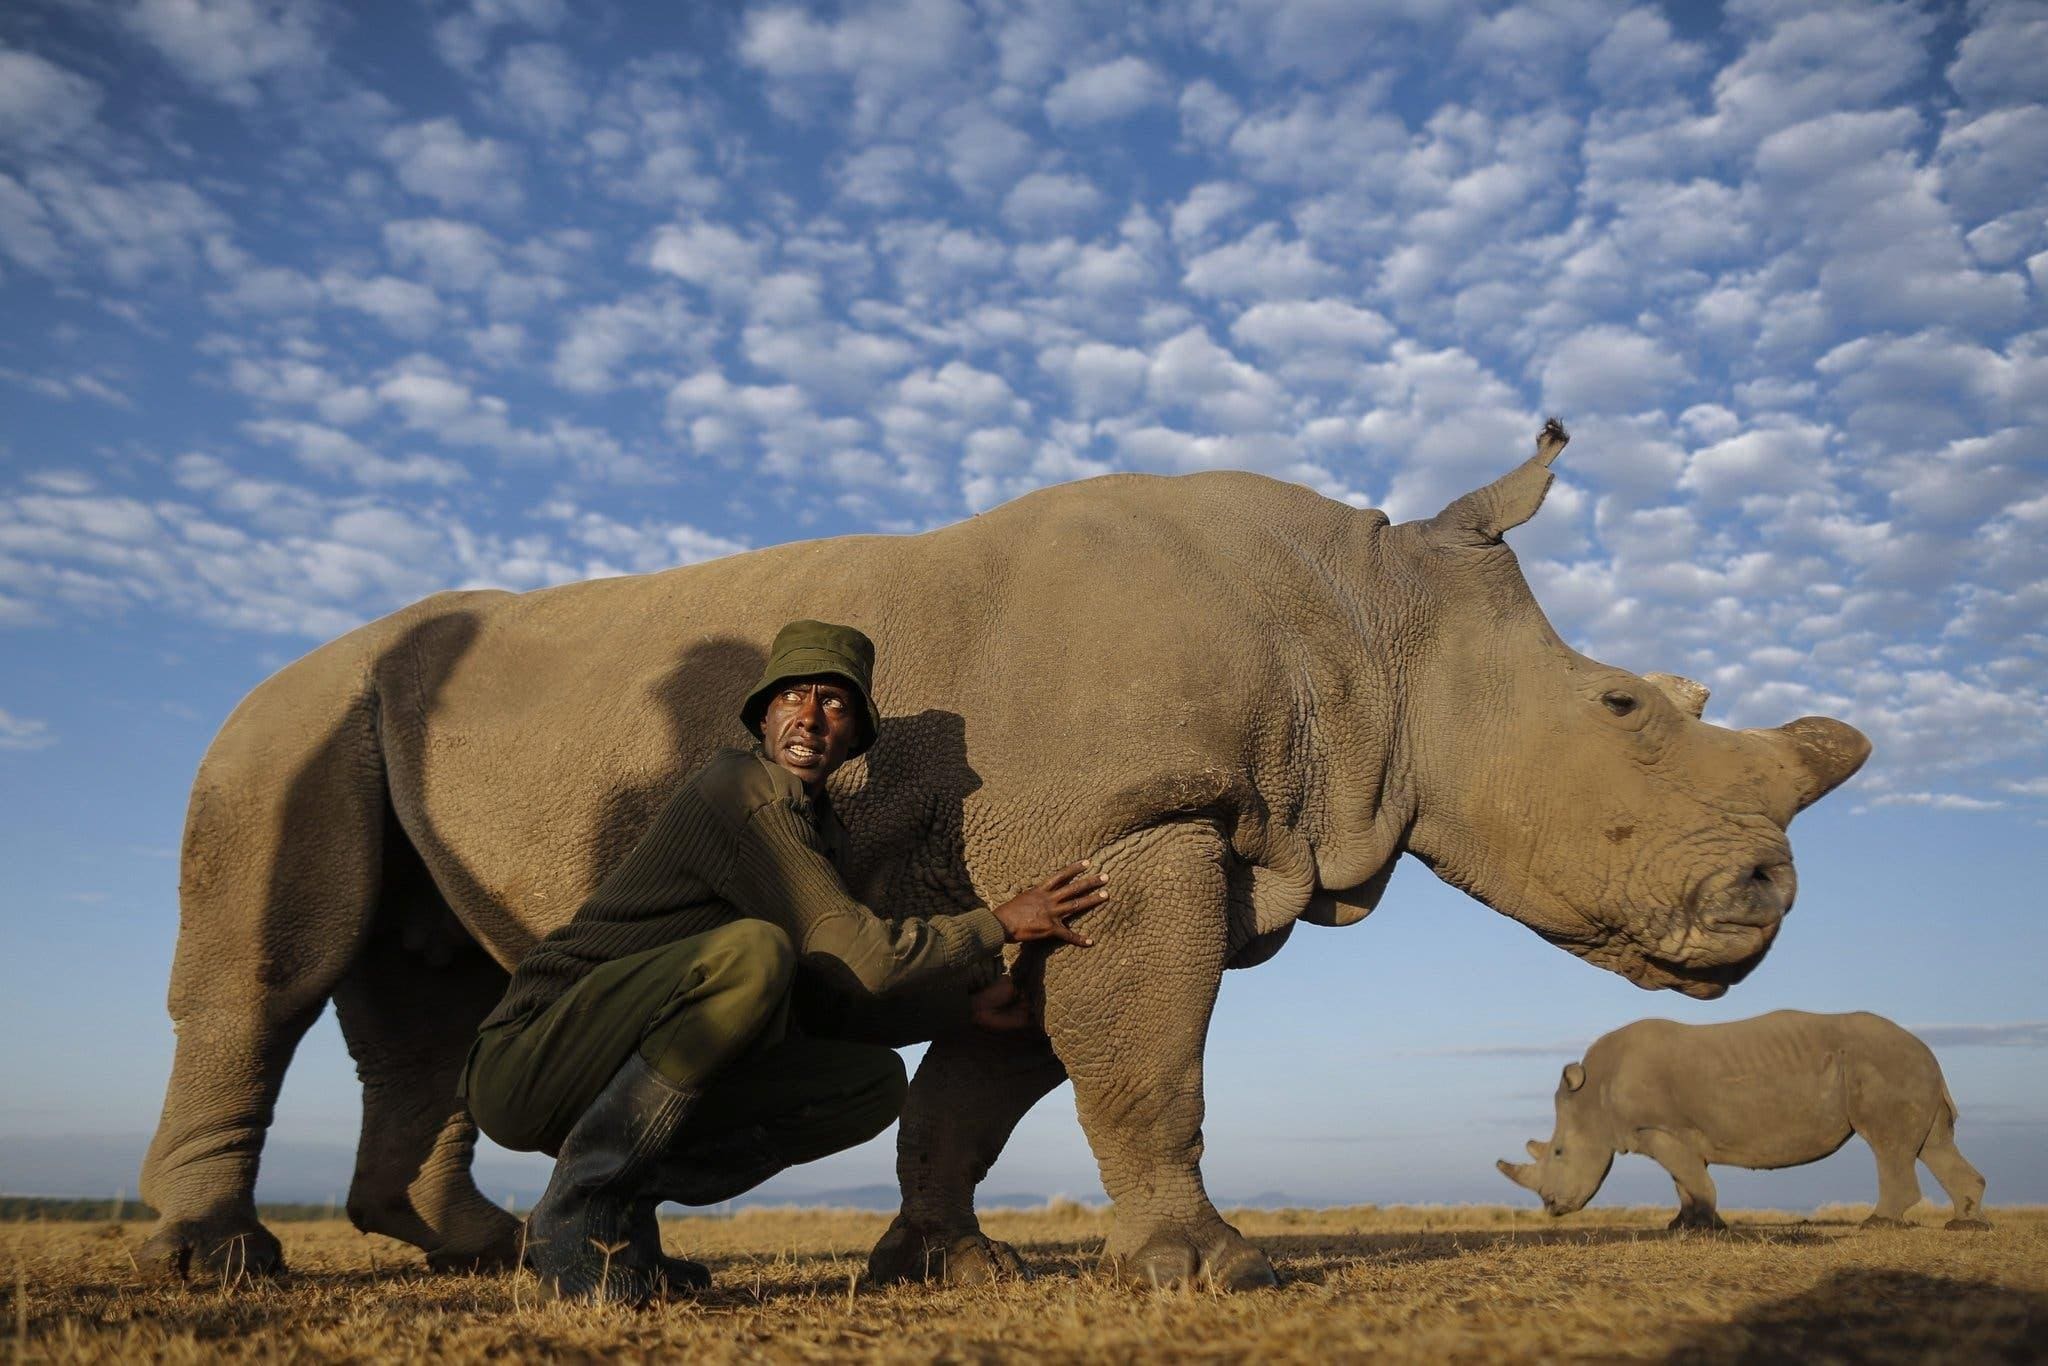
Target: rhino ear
[[1574, 1076], [1483, 516], [1686, 695]]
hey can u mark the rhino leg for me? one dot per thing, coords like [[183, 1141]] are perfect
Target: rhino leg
[[409, 1007], [278, 884], [969, 1093], [1129, 1018], [1697, 1197], [1963, 1182], [1898, 1183]]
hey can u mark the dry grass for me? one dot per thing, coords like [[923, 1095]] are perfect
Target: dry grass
[[1421, 1284]]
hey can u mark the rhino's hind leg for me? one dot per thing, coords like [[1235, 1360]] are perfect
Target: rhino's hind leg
[[282, 845], [409, 1008], [1129, 1017], [1898, 1185], [1963, 1182], [968, 1095]]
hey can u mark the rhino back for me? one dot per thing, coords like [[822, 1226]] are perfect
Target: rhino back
[[1051, 674], [1770, 1091]]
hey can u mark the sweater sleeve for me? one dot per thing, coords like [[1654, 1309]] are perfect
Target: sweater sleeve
[[779, 874]]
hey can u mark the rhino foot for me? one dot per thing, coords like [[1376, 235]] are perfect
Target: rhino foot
[[227, 1248], [1968, 1226], [1885, 1221], [1224, 1261], [910, 1253], [1698, 1220], [488, 1253]]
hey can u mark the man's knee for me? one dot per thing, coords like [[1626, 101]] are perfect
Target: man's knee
[[751, 959]]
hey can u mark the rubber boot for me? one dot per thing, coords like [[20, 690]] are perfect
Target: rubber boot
[[581, 1237], [680, 1272]]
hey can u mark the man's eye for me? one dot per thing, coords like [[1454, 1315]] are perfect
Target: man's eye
[[836, 703]]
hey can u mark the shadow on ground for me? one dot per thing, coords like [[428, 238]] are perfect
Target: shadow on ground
[[1880, 1316]]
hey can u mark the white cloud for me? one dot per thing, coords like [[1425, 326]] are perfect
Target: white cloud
[[436, 160], [341, 456], [601, 338], [880, 177], [1999, 60], [409, 309], [1639, 57], [1608, 369], [1260, 265], [894, 53], [1104, 92], [1099, 378], [985, 155], [60, 216], [464, 37], [1824, 61], [42, 104], [709, 255], [1206, 207], [539, 85], [1047, 200], [1939, 801], [229, 47], [22, 732], [1319, 324]]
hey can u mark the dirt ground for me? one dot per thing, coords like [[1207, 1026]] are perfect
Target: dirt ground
[[1399, 1284]]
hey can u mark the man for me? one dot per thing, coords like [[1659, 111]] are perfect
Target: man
[[653, 1043]]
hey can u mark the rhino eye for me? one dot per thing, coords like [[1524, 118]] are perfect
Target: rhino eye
[[1618, 702]]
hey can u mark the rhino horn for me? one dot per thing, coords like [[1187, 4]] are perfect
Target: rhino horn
[[1686, 695], [1824, 754], [1483, 516], [1534, 1149], [1521, 1173]]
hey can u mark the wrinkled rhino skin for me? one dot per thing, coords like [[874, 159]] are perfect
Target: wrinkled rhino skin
[[1245, 700], [1778, 1090]]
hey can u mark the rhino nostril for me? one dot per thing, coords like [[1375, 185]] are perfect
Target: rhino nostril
[[1771, 886]]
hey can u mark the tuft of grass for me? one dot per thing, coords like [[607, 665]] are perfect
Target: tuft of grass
[[1420, 1283]]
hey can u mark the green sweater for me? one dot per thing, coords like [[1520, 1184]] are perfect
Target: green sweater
[[743, 839]]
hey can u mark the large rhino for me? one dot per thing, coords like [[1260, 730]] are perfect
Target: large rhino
[[1246, 701], [1778, 1090]]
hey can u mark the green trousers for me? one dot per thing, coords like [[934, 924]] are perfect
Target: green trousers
[[711, 1012]]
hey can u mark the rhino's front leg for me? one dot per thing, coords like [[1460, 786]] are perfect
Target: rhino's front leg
[[1697, 1196], [1129, 1017], [969, 1093]]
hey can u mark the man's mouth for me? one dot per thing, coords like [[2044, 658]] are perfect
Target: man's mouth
[[802, 752]]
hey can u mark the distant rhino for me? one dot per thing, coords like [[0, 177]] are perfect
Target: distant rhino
[[1779, 1090], [1246, 701]]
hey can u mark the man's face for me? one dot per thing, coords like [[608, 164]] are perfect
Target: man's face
[[809, 726]]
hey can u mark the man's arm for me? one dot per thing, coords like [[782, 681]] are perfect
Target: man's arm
[[779, 874]]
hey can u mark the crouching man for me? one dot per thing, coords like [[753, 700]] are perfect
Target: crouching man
[[701, 1023]]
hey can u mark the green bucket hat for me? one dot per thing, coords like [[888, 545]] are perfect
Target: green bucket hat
[[806, 649]]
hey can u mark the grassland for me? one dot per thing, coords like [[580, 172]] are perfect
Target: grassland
[[1408, 1284]]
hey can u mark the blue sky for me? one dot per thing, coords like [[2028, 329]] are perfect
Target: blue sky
[[309, 310]]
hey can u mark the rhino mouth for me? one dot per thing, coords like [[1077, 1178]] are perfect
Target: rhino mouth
[[1703, 965]]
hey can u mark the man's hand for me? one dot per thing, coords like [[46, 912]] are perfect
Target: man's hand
[[1000, 1008], [1042, 912]]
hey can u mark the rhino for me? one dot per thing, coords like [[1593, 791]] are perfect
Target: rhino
[[1242, 699], [1776, 1090]]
